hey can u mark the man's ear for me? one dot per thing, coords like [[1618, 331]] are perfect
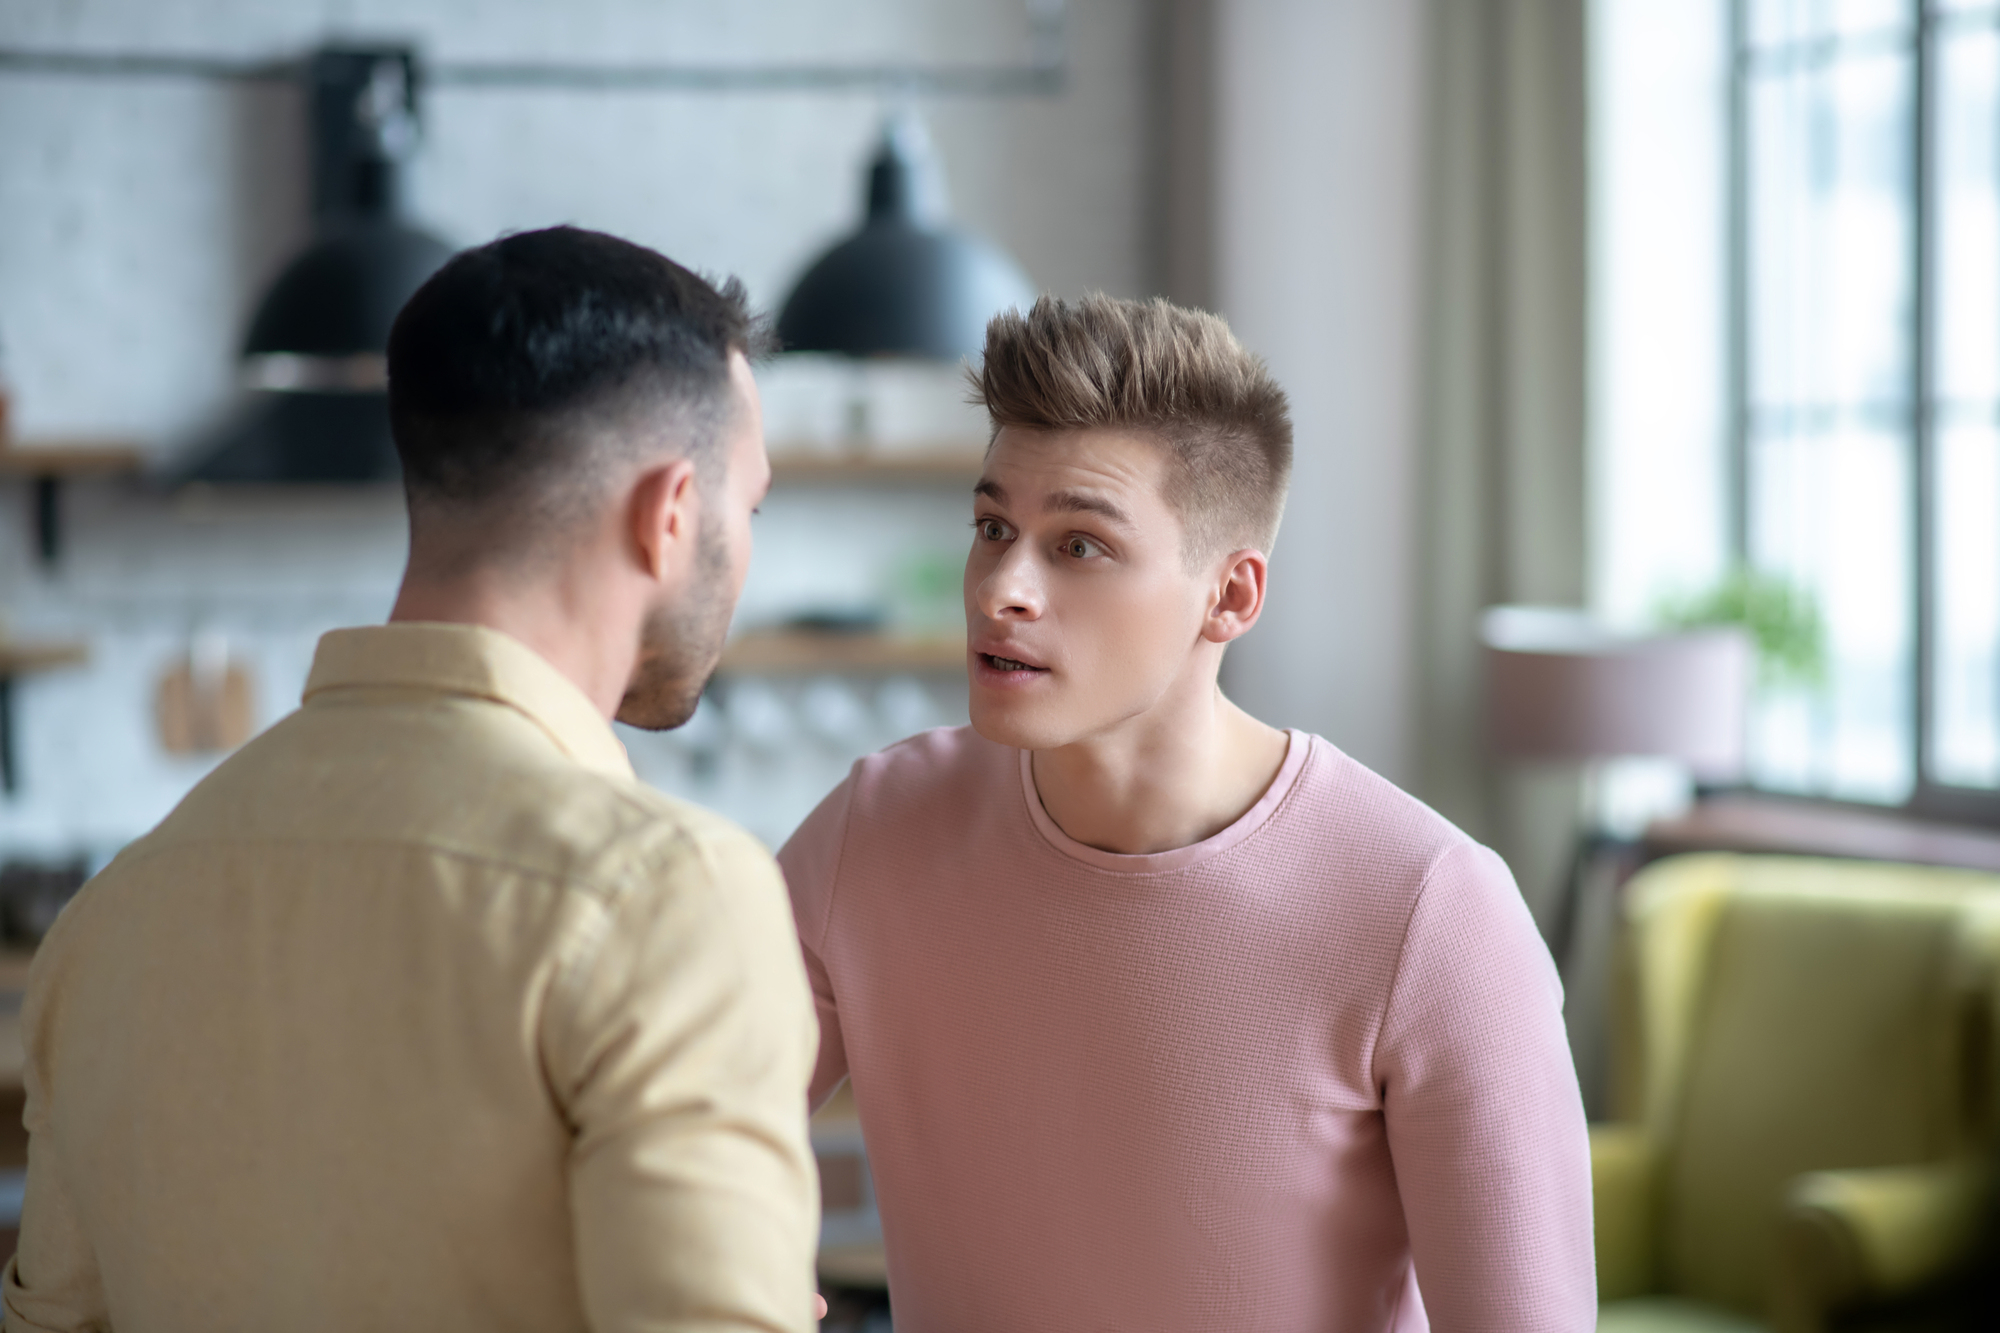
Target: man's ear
[[663, 518], [1238, 598]]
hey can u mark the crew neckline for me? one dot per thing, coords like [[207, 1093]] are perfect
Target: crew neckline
[[1297, 749]]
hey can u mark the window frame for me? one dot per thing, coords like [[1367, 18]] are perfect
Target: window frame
[[1928, 799]]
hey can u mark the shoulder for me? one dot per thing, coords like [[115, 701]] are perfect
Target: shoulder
[[1450, 928], [944, 770], [459, 798], [602, 835], [1368, 870], [1352, 816], [919, 799], [621, 836], [930, 767], [1460, 926], [660, 893], [597, 831]]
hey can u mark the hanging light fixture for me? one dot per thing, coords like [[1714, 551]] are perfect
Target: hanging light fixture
[[314, 360], [907, 283]]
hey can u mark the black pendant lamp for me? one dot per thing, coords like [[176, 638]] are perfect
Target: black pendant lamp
[[907, 283], [314, 360]]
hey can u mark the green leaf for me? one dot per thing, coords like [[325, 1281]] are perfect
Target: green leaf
[[1782, 618]]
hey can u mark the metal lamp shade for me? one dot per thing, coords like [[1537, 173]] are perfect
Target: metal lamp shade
[[314, 359], [897, 290], [342, 295], [314, 362], [905, 284], [299, 438], [1559, 689]]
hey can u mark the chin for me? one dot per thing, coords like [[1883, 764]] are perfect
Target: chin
[[1023, 726], [658, 705], [654, 716]]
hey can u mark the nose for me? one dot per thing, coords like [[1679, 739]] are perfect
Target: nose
[[1012, 589]]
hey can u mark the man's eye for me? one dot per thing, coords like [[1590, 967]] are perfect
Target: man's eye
[[1080, 547], [992, 529]]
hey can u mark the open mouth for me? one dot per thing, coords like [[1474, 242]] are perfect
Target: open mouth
[[999, 663]]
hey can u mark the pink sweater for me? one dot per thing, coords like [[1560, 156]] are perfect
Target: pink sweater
[[1241, 1085]]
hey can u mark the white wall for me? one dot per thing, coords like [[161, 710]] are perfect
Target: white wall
[[1659, 428], [140, 220], [1319, 224]]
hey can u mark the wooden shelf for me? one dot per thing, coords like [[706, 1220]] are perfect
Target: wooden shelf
[[54, 458], [48, 463], [18, 659], [792, 652], [943, 465]]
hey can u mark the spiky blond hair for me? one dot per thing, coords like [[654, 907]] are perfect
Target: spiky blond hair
[[1174, 374]]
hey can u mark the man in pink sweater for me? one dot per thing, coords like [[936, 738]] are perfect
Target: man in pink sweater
[[1158, 1018]]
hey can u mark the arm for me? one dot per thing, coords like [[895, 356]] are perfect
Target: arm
[[1484, 1120], [810, 859], [51, 1284], [678, 1039]]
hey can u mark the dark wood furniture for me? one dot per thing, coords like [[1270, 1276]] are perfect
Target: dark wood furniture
[[1756, 822]]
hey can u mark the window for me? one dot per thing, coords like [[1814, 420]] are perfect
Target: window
[[1865, 399]]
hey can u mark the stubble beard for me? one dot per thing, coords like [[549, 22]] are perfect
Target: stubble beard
[[679, 647]]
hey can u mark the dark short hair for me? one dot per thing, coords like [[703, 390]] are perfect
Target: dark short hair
[[508, 353], [1174, 374]]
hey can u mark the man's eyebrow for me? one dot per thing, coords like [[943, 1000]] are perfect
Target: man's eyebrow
[[1061, 502], [1083, 502]]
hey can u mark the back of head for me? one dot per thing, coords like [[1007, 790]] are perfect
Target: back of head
[[528, 374], [1156, 369]]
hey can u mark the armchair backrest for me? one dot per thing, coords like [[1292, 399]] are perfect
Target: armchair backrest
[[1798, 1015]]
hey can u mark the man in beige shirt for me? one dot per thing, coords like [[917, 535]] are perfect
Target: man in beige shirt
[[421, 1012]]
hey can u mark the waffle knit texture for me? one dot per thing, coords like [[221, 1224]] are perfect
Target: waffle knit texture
[[1308, 1074]]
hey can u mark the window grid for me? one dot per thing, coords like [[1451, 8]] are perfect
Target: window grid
[[1831, 436]]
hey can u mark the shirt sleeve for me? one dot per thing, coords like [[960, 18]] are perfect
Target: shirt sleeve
[[679, 1039], [51, 1284], [1485, 1122], [811, 862]]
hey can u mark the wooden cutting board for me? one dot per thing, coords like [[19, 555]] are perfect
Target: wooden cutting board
[[206, 709]]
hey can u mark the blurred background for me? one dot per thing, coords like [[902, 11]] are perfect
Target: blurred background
[[1645, 361]]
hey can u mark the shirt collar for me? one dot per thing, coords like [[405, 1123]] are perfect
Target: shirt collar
[[476, 661]]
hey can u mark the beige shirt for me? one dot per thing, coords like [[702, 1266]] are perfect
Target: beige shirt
[[421, 1012]]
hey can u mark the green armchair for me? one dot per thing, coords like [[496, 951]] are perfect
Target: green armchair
[[1805, 1084]]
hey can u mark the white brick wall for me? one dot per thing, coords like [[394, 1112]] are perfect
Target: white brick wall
[[140, 220]]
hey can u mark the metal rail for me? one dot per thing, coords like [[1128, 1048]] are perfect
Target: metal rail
[[1044, 73]]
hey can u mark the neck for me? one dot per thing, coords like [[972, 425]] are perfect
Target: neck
[[1174, 776], [561, 615]]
